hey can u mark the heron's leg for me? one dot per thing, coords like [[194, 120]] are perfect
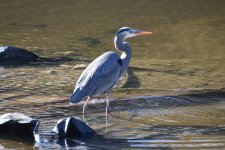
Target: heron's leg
[[107, 102], [85, 106], [106, 111], [108, 98]]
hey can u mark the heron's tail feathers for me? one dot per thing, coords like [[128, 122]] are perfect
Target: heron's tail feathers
[[77, 96]]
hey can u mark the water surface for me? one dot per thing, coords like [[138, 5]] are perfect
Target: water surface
[[184, 56]]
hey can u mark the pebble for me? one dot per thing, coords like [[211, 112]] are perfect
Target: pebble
[[80, 66]]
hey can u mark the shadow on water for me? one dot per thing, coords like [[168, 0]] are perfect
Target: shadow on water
[[100, 142], [193, 98], [15, 138], [42, 61], [54, 61], [170, 71], [132, 80], [61, 107]]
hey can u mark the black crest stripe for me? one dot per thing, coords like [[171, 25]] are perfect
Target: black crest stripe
[[122, 30]]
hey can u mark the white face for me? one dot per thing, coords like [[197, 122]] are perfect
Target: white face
[[126, 32], [129, 34]]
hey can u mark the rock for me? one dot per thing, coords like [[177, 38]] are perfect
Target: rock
[[80, 66], [37, 136], [66, 66], [19, 125], [53, 72], [66, 53], [74, 128], [12, 53]]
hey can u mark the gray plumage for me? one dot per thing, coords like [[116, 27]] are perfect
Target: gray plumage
[[101, 75]]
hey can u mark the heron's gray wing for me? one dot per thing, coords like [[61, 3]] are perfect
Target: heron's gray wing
[[83, 76], [101, 74]]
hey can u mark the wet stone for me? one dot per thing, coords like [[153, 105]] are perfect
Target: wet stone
[[53, 72], [14, 125], [12, 53], [66, 66], [17, 125], [80, 66], [74, 128], [68, 52]]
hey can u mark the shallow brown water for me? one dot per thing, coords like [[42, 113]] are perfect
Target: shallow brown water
[[184, 55]]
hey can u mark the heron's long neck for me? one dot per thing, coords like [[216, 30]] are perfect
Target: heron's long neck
[[126, 50]]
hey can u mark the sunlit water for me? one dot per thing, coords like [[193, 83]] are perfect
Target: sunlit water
[[182, 63]]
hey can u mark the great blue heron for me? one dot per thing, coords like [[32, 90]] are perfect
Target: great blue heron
[[100, 76]]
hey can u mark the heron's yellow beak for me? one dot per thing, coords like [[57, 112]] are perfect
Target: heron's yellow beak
[[144, 33]]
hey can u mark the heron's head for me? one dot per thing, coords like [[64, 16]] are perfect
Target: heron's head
[[126, 32]]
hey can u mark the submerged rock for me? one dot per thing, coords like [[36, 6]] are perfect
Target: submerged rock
[[17, 124], [15, 54], [73, 128]]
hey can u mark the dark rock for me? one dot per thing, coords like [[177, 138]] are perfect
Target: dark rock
[[73, 128], [17, 125], [12, 53]]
